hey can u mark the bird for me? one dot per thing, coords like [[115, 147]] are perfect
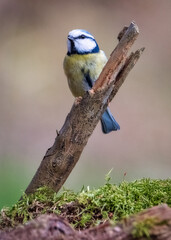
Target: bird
[[82, 65]]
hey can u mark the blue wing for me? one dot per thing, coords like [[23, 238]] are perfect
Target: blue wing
[[87, 81]]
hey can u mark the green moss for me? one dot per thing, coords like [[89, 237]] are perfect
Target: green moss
[[142, 228], [85, 219], [90, 207]]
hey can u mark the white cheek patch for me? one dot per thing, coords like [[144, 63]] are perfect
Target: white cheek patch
[[85, 45]]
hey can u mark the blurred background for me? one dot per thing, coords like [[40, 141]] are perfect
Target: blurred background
[[35, 98]]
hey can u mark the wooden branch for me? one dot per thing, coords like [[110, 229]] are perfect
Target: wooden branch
[[118, 56], [129, 64], [153, 223], [61, 158]]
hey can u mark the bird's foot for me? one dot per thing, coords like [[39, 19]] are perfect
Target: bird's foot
[[91, 92], [77, 100]]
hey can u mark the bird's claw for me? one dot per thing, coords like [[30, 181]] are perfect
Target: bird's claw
[[91, 92], [77, 100]]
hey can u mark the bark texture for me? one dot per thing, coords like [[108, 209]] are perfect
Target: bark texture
[[61, 158], [153, 223]]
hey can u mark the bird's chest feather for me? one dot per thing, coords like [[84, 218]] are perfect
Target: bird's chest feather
[[78, 67]]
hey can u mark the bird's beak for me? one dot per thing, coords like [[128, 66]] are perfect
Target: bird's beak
[[70, 38]]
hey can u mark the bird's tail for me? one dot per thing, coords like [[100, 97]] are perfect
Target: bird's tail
[[108, 122]]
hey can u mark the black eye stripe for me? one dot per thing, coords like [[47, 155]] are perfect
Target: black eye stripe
[[83, 37]]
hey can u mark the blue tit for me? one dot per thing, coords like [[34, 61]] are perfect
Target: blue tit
[[82, 65]]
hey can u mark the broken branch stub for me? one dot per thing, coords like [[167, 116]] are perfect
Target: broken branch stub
[[118, 56]]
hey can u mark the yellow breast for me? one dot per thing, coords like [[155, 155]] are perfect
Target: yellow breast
[[76, 66]]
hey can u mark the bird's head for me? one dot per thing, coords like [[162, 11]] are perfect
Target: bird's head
[[81, 42]]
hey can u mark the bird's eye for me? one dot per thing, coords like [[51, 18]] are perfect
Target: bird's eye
[[82, 36]]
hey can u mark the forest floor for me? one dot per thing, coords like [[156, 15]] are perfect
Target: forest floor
[[89, 207]]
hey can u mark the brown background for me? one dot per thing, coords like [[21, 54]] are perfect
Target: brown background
[[35, 99]]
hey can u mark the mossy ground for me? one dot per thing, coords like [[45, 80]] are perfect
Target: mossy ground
[[142, 228], [90, 207]]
